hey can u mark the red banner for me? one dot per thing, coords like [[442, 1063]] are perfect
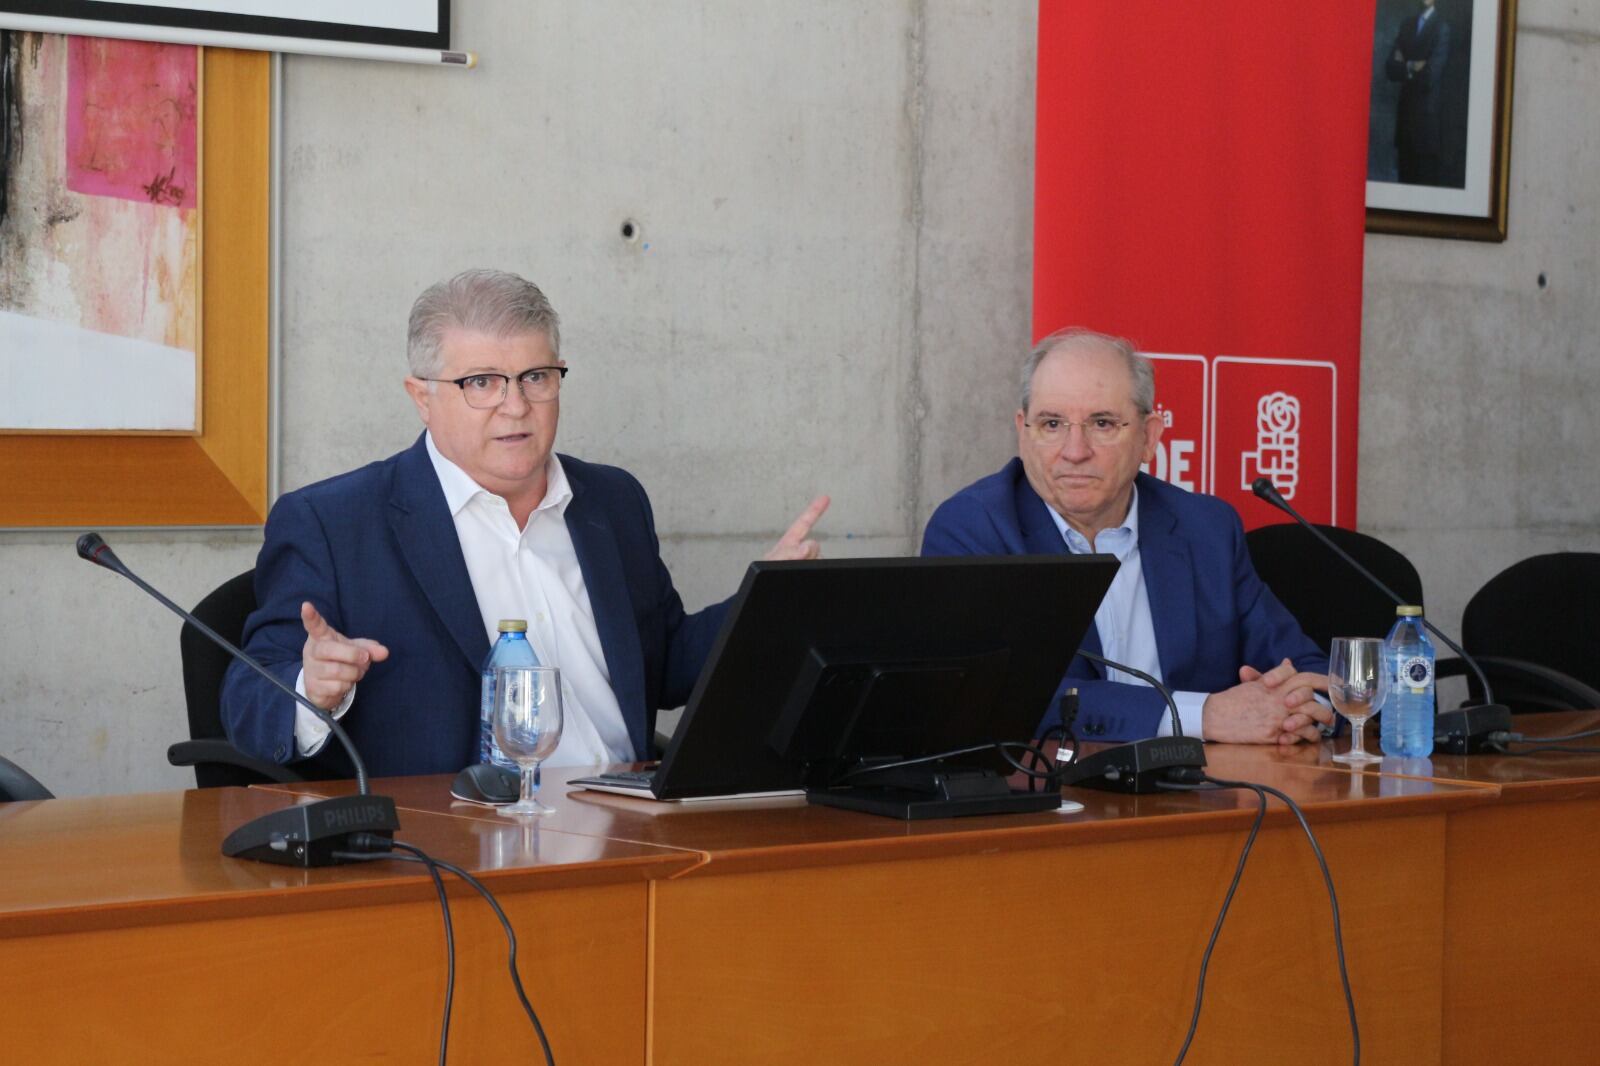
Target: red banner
[[1199, 188]]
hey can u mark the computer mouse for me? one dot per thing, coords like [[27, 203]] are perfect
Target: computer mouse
[[486, 783]]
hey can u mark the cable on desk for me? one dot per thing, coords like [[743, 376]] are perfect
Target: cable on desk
[[417, 855], [1002, 746], [1327, 879], [1523, 738], [1570, 749], [1222, 915], [449, 934]]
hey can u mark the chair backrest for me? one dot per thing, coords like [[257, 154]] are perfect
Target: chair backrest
[[1544, 610], [225, 611], [1325, 595], [17, 784]]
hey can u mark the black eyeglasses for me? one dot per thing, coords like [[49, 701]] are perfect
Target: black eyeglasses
[[539, 385]]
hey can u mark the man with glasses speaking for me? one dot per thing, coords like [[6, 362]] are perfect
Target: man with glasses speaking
[[380, 591], [1186, 605]]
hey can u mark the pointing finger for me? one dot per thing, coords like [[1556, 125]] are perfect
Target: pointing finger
[[801, 527], [373, 648]]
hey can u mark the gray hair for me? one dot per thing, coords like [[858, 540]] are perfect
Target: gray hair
[[495, 302], [1140, 371]]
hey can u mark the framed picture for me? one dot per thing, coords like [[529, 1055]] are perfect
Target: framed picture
[[1439, 132], [204, 463]]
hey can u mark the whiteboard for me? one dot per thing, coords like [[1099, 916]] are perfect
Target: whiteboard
[[403, 23]]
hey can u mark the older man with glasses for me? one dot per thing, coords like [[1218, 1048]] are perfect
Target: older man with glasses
[[1186, 605], [381, 590]]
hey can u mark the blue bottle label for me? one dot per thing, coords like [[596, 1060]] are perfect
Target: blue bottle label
[[1417, 672]]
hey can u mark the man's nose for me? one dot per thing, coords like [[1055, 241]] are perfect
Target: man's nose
[[515, 404], [1075, 446]]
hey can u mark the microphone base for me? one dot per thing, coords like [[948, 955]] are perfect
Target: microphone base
[[1468, 730], [308, 834], [1137, 767]]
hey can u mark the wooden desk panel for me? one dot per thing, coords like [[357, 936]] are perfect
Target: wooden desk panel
[[1084, 953], [814, 934], [127, 936]]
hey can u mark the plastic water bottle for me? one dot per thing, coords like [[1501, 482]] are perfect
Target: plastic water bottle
[[512, 649], [1408, 708]]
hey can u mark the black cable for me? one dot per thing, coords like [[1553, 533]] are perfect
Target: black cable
[[450, 963], [880, 767], [417, 855], [1523, 738], [1222, 915], [505, 923], [1333, 898], [1557, 747], [449, 931]]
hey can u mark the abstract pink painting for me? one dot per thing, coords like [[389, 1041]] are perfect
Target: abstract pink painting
[[99, 235], [131, 120]]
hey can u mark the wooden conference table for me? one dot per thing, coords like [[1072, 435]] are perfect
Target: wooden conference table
[[779, 932]]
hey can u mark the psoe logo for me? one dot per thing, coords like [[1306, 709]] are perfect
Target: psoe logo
[[1277, 454]]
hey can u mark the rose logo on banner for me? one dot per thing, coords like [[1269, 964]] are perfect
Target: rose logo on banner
[[1277, 454]]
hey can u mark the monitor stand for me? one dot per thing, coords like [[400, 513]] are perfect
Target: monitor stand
[[913, 793]]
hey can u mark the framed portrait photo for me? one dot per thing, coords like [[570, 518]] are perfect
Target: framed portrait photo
[[1439, 131]]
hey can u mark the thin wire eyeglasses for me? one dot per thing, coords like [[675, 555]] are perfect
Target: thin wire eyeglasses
[[1100, 430], [482, 391]]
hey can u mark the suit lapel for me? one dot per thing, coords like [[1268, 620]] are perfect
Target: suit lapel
[[1168, 581], [426, 534], [595, 544], [1041, 536]]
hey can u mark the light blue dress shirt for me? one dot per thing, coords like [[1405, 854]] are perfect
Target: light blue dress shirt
[[1127, 631]]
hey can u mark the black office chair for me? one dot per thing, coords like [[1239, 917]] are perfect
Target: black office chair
[[1535, 628], [1326, 596], [17, 784], [217, 762]]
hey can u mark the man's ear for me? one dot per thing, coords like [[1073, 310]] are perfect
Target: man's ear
[[1154, 426], [420, 395]]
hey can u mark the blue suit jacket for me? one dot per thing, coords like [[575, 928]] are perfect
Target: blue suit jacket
[[375, 550], [1212, 614]]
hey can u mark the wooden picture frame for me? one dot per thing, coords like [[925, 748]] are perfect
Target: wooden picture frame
[[1465, 195], [219, 476]]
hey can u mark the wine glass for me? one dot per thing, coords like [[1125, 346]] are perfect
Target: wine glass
[[1356, 685], [527, 725]]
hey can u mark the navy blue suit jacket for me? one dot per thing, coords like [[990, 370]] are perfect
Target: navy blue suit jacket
[[1212, 614], [375, 551]]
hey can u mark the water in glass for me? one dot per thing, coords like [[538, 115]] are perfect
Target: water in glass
[[1356, 684]]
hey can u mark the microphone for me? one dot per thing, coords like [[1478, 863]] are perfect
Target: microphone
[[1141, 765], [1466, 731], [307, 834]]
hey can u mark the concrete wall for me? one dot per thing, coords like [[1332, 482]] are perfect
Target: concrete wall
[[831, 278], [1480, 363]]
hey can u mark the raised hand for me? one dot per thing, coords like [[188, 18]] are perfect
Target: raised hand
[[332, 662], [794, 544]]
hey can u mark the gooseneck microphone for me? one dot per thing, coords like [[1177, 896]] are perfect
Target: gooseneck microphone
[[305, 835], [1466, 731], [1141, 765]]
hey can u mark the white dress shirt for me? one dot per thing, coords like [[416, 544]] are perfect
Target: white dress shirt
[[530, 573], [1123, 620]]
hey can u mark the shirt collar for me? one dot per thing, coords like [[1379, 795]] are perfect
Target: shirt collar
[[460, 489], [1120, 545]]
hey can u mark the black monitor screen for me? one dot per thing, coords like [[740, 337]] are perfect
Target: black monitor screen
[[822, 663]]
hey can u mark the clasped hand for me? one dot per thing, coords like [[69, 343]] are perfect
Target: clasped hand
[[1276, 707]]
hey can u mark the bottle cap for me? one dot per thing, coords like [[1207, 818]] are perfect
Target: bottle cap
[[520, 625], [1403, 612]]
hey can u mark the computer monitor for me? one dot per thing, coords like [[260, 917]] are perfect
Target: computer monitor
[[823, 666]]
